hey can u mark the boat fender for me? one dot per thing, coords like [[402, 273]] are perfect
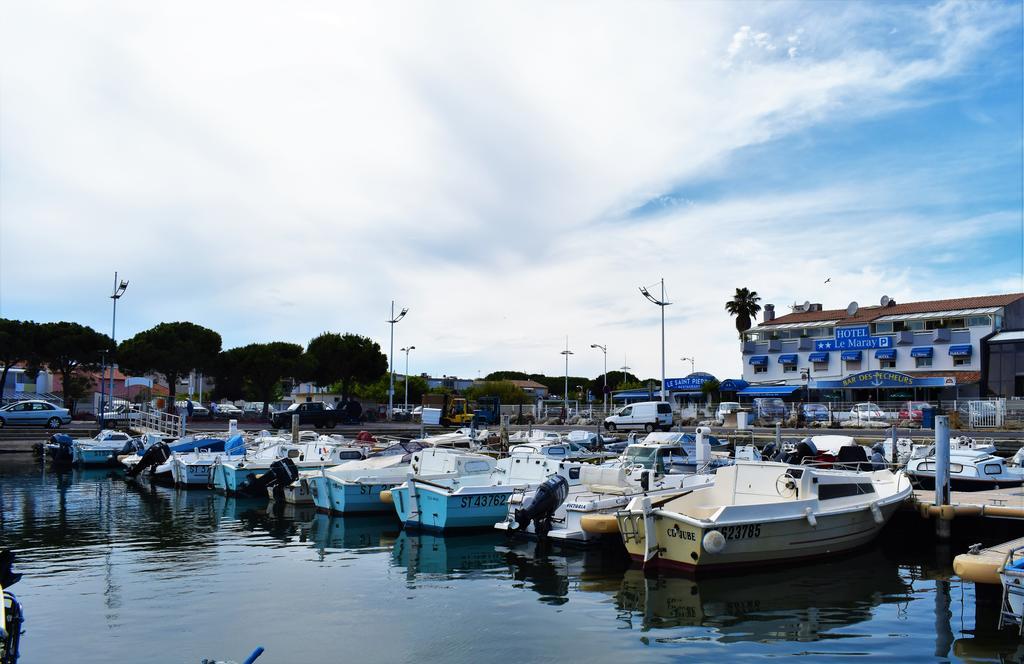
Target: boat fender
[[876, 513], [714, 541], [811, 519], [386, 497], [645, 480]]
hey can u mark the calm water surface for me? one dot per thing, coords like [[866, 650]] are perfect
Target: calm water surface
[[123, 571]]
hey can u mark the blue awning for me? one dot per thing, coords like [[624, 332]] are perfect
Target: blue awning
[[818, 357], [787, 359], [960, 351], [768, 391], [851, 355], [921, 351], [732, 385], [885, 354], [759, 360]]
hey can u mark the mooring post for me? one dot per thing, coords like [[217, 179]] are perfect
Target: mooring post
[[295, 429], [942, 497], [778, 435], [893, 454], [232, 427]]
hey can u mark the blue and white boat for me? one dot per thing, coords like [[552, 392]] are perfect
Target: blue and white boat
[[193, 468], [357, 486], [103, 449], [235, 475], [481, 500]]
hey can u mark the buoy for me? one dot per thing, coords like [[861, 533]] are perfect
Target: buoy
[[714, 541], [599, 524], [811, 519], [386, 497], [876, 513]]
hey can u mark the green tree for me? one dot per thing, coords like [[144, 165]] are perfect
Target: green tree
[[264, 366], [709, 389], [17, 345], [363, 361], [744, 306], [507, 375], [327, 355], [67, 347], [172, 350], [507, 392], [228, 375]]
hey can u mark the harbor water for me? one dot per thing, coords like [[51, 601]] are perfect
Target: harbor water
[[127, 571]]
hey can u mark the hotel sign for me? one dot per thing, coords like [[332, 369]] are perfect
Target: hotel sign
[[688, 384], [853, 338]]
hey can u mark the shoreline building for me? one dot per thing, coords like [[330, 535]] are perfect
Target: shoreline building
[[941, 349]]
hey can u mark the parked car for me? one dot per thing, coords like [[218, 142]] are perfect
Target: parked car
[[912, 410], [815, 412], [316, 413], [120, 414], [227, 411], [769, 408], [725, 408], [866, 411], [198, 410], [34, 412], [646, 415]]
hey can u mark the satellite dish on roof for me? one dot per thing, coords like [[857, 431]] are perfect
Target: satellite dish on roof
[[884, 301], [807, 305], [852, 308]]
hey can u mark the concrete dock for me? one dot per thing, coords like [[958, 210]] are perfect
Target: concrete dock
[[995, 503]]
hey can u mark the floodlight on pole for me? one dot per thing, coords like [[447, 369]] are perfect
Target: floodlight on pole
[[691, 361], [604, 350], [391, 363], [406, 351], [565, 395], [119, 288], [662, 303]]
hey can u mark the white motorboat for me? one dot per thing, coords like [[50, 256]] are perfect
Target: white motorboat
[[193, 468], [986, 445], [363, 486], [662, 463], [761, 512], [103, 449], [481, 500], [969, 470], [237, 475]]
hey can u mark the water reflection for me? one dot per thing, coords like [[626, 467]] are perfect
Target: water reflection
[[370, 531], [446, 555], [802, 603]]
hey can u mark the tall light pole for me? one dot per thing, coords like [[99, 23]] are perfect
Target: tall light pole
[[604, 350], [406, 350], [690, 360], [119, 289], [391, 356], [565, 395], [662, 303]]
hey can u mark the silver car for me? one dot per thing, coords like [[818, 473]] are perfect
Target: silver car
[[34, 412]]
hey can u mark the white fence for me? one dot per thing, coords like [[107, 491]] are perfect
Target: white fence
[[150, 420]]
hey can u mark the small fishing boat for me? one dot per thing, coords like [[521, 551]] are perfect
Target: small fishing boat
[[100, 450], [969, 470], [756, 513], [481, 500], [358, 486], [1011, 577], [193, 468], [236, 475]]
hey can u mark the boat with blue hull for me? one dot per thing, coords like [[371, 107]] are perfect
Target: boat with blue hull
[[192, 469], [357, 487], [480, 500], [239, 475]]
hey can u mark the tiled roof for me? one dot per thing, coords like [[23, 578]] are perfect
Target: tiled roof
[[867, 314]]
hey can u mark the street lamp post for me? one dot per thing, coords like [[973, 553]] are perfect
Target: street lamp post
[[406, 350], [119, 289], [604, 350], [391, 357], [690, 360], [662, 303], [565, 395]]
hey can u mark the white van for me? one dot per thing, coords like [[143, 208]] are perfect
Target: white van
[[648, 415]]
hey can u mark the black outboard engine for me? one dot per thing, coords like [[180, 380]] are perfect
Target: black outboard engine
[[280, 474], [546, 500], [803, 450], [60, 449], [157, 454], [769, 451], [10, 630]]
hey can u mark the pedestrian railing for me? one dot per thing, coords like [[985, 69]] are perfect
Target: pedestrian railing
[[149, 420]]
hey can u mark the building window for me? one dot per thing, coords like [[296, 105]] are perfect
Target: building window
[[887, 364], [853, 365], [957, 323], [921, 362], [961, 361], [999, 322], [788, 368], [976, 321], [915, 325], [821, 366], [760, 368], [882, 328]]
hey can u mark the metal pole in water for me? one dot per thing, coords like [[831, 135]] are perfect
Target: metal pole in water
[[942, 497], [893, 454], [295, 429], [778, 435]]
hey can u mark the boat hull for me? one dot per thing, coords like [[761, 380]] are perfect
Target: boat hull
[[439, 509], [229, 478], [681, 543], [103, 456], [334, 497], [191, 474]]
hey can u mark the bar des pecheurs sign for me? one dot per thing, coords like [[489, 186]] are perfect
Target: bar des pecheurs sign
[[881, 378]]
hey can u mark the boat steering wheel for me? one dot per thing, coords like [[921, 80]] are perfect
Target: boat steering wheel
[[785, 486]]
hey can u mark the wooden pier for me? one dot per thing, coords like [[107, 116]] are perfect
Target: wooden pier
[[994, 503]]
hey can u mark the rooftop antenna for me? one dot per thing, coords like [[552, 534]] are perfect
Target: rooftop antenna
[[884, 301], [852, 309]]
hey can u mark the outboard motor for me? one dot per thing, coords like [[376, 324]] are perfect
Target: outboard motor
[[280, 474], [157, 454], [803, 450], [13, 616], [61, 452], [769, 451], [546, 500]]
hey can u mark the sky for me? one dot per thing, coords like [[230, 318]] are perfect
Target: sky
[[510, 172]]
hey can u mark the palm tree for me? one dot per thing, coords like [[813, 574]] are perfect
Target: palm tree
[[744, 306]]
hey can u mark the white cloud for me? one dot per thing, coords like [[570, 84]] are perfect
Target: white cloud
[[276, 170]]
